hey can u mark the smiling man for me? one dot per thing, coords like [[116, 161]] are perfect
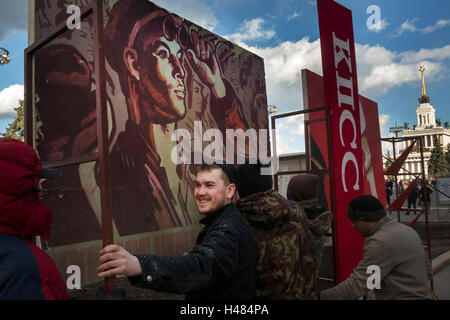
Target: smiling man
[[222, 265]]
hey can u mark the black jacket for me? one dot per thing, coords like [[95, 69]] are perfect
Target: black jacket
[[222, 265]]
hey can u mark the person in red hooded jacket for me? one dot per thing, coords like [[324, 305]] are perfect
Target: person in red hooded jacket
[[26, 272]]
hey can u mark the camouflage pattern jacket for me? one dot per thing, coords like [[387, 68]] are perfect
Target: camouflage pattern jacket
[[285, 262]]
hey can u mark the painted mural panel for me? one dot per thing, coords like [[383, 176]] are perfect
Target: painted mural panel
[[66, 129], [171, 73], [168, 82]]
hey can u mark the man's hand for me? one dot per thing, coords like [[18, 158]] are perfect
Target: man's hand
[[115, 260], [204, 61]]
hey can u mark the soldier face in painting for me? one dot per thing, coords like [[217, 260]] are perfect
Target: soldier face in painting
[[163, 76], [156, 64]]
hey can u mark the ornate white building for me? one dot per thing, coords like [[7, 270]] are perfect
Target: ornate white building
[[426, 127]]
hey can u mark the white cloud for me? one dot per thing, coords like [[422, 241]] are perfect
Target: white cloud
[[9, 99], [383, 120], [293, 125], [287, 144], [379, 26], [438, 54], [290, 133], [293, 16], [384, 132], [409, 26], [192, 10], [251, 30], [383, 78], [379, 69], [283, 65], [283, 147]]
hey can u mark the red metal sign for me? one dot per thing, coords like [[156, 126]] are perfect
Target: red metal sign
[[341, 95]]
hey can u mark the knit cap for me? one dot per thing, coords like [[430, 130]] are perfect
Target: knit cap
[[251, 180], [366, 208]]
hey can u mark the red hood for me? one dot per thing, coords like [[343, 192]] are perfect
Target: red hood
[[20, 213]]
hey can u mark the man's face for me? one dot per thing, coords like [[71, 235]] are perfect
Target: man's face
[[210, 192], [164, 81], [199, 98], [363, 227]]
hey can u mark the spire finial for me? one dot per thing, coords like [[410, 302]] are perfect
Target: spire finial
[[422, 71], [424, 98]]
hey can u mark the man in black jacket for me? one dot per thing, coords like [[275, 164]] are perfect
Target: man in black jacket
[[222, 265]]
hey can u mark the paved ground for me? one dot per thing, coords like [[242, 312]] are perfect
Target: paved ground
[[441, 282], [439, 212]]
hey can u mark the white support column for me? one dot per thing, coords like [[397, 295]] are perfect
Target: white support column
[[409, 169]]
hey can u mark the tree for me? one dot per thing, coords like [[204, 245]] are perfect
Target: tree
[[406, 125], [16, 128], [438, 165], [438, 122], [447, 124]]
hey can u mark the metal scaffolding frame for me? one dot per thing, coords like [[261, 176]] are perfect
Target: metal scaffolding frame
[[326, 171], [420, 176]]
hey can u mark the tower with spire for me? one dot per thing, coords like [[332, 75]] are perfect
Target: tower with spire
[[425, 112], [426, 127]]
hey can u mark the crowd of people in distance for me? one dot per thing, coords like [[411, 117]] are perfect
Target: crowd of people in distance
[[420, 190]]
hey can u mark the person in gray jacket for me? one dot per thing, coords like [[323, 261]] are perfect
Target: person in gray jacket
[[394, 248]]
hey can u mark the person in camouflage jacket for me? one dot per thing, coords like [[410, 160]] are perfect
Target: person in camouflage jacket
[[303, 189], [285, 262]]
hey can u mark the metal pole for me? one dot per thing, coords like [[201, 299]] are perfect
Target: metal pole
[[437, 204], [275, 176], [332, 195], [102, 127], [425, 197], [307, 145], [395, 158]]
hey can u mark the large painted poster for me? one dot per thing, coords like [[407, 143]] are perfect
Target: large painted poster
[[169, 82]]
